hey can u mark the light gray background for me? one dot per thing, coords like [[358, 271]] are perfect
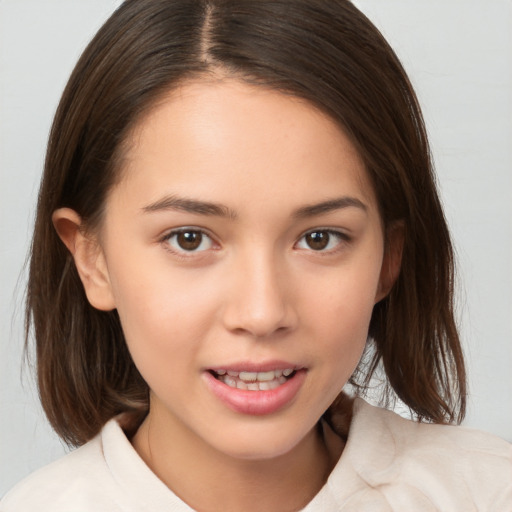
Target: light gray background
[[459, 56]]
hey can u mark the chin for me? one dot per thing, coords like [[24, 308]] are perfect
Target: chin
[[261, 440]]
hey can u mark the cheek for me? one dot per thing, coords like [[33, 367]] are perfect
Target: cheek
[[162, 334], [161, 314], [342, 316], [348, 297], [154, 293]]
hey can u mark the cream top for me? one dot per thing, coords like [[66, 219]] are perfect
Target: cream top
[[388, 464]]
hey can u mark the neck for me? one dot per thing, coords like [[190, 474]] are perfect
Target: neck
[[208, 480]]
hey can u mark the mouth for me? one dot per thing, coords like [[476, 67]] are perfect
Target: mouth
[[253, 381], [256, 389]]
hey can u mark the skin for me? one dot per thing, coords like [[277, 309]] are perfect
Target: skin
[[255, 289]]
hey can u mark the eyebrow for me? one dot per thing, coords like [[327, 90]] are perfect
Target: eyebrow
[[199, 207], [329, 206], [183, 204]]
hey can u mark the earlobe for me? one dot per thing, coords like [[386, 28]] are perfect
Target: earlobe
[[88, 256], [392, 260]]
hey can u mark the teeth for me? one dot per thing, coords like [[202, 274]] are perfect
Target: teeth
[[256, 376], [248, 376], [273, 384], [230, 381], [266, 376], [254, 381]]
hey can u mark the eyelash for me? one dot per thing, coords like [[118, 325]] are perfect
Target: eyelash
[[182, 252], [339, 235]]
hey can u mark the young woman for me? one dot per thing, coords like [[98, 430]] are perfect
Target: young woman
[[238, 217]]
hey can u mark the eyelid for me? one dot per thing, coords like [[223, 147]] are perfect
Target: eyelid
[[342, 236], [164, 239]]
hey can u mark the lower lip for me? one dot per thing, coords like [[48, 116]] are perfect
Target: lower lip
[[256, 403]]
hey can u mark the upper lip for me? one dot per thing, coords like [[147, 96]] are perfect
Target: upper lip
[[252, 366]]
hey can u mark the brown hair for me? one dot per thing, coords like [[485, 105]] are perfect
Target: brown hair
[[324, 51]]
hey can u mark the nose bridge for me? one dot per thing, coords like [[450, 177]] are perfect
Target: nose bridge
[[258, 302]]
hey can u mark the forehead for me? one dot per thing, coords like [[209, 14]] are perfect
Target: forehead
[[244, 141]]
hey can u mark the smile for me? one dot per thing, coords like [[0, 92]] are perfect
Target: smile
[[254, 381], [256, 390]]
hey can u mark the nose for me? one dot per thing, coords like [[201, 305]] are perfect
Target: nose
[[259, 301]]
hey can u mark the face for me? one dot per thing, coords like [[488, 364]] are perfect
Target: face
[[244, 251]]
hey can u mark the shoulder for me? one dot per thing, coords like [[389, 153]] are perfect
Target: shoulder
[[408, 434], [454, 468], [104, 475], [78, 481]]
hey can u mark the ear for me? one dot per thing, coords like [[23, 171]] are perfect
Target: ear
[[89, 258], [392, 260]]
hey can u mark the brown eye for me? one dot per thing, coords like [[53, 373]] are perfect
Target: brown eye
[[189, 240], [317, 240], [320, 240]]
